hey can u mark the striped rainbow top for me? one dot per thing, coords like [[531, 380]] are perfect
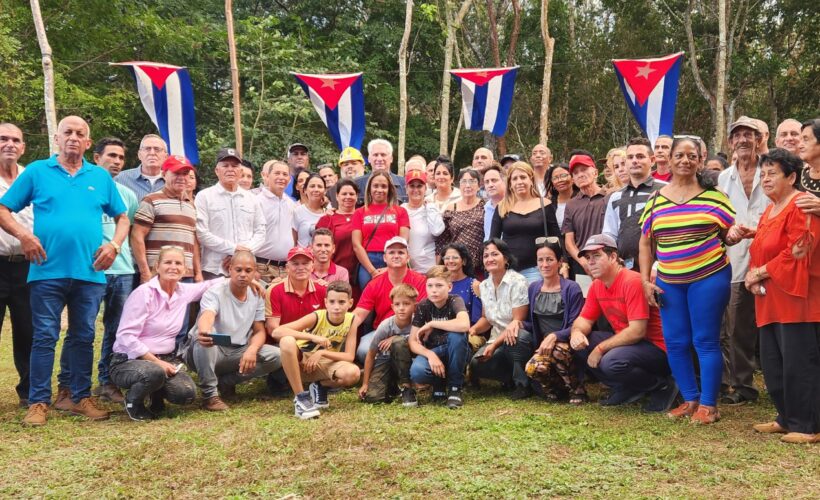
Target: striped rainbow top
[[689, 246]]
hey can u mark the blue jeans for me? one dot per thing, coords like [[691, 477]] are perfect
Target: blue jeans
[[508, 362], [48, 297], [117, 289], [377, 259], [454, 354], [364, 346], [691, 314], [532, 274]]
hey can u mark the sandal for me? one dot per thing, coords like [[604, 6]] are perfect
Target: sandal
[[579, 399]]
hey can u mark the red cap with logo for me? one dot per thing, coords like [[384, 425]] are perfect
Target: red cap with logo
[[177, 164], [415, 175], [296, 251]]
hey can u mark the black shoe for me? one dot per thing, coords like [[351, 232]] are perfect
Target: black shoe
[[521, 392], [138, 412], [621, 397], [276, 386], [408, 397], [736, 399], [157, 403], [439, 393], [454, 400], [663, 398]]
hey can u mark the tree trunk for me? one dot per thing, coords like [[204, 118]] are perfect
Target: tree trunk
[[720, 87], [48, 75], [549, 47], [408, 23], [452, 25], [237, 116]]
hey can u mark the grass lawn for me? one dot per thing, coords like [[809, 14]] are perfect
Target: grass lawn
[[491, 448]]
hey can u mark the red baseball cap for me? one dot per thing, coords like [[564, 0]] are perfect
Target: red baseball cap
[[176, 164], [584, 160], [415, 175], [296, 251]]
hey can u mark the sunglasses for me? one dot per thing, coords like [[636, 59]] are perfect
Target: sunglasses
[[546, 239]]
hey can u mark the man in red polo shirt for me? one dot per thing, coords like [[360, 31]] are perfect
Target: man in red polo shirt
[[376, 295], [297, 295]]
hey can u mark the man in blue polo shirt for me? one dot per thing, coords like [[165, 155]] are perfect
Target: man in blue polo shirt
[[69, 255]]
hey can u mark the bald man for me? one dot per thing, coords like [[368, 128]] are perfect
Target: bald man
[[787, 135], [69, 257], [482, 158]]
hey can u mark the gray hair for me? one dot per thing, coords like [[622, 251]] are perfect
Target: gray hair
[[153, 136], [379, 142]]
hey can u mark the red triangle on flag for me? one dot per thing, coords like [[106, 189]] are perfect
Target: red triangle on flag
[[158, 74], [643, 75], [479, 76], [329, 87]]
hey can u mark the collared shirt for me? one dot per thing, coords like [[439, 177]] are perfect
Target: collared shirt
[[171, 221], [278, 212], [499, 301], [334, 273], [747, 212], [138, 183], [68, 212], [151, 319], [489, 211], [124, 263], [376, 295], [584, 216], [9, 245], [225, 219], [622, 218], [283, 302]]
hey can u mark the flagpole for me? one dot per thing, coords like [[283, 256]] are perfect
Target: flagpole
[[237, 117]]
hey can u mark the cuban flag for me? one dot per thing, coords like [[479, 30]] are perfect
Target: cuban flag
[[486, 96], [650, 87], [339, 101], [168, 98]]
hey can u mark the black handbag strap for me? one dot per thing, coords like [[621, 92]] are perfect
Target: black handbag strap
[[378, 222]]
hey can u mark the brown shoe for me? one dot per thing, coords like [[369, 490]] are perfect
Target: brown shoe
[[63, 401], [215, 403], [769, 428], [109, 392], [705, 415], [685, 410], [800, 438], [36, 414], [87, 407]]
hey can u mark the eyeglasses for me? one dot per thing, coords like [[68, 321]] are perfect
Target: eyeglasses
[[562, 177], [152, 149], [468, 182], [546, 239], [690, 137], [451, 257]]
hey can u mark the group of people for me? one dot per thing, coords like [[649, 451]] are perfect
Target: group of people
[[538, 275]]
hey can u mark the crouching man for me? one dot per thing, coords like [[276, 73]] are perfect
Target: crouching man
[[230, 344]]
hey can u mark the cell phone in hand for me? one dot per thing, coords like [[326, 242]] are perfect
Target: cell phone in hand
[[221, 339], [658, 299]]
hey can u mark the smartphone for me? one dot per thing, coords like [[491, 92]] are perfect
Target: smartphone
[[658, 299], [221, 339]]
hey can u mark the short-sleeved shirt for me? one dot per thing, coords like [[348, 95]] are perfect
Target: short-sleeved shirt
[[304, 223], [376, 295], [342, 227], [689, 247], [124, 263], [68, 212], [284, 303], [388, 328], [623, 213], [324, 328], [426, 312], [136, 181], [170, 221], [233, 316], [621, 303], [369, 218], [584, 216], [334, 273], [499, 302]]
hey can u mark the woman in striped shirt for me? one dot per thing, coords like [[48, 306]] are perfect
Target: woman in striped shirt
[[686, 227]]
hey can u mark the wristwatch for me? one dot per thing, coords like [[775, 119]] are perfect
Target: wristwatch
[[116, 247]]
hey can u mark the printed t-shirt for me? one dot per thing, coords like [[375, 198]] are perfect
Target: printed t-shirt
[[365, 220]]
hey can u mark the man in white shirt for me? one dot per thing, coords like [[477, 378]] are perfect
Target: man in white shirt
[[741, 183], [228, 219], [13, 264], [495, 189], [278, 209]]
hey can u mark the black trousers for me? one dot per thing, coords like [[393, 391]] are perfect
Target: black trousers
[[142, 378], [14, 295], [790, 355]]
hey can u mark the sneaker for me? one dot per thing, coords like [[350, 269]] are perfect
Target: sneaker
[[138, 412], [157, 403], [439, 393], [214, 403], [109, 392], [769, 428], [408, 397], [621, 397], [36, 415], [705, 415], [800, 438], [662, 398], [318, 394], [521, 392], [87, 407], [454, 399], [303, 406], [63, 401], [685, 410], [736, 399]]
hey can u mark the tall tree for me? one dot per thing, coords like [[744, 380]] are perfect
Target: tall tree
[[48, 74], [408, 24], [453, 23], [549, 48], [235, 90]]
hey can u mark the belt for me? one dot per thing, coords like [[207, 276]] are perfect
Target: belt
[[13, 258], [271, 262]]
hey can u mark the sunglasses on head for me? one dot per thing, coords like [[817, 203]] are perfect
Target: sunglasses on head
[[546, 239]]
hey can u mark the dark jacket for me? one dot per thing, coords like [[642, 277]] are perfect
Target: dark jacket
[[573, 299]]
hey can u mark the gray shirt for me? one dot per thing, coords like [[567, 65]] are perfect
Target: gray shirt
[[387, 329], [233, 317]]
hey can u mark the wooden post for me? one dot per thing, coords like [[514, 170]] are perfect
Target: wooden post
[[549, 47], [408, 24], [237, 111], [48, 75], [453, 23]]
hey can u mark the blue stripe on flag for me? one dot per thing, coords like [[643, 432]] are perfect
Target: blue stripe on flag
[[161, 111], [332, 122], [479, 107], [186, 91], [357, 128], [670, 98], [505, 99]]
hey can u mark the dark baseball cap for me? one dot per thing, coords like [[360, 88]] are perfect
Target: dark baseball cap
[[226, 153], [296, 145], [597, 242]]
